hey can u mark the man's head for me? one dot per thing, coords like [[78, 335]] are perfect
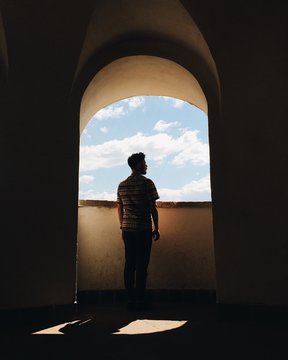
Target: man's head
[[137, 162]]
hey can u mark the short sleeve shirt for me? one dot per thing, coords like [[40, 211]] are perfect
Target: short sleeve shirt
[[136, 194]]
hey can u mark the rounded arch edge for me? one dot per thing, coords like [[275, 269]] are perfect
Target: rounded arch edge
[[139, 75]]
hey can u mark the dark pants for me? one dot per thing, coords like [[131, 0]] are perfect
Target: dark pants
[[137, 255]]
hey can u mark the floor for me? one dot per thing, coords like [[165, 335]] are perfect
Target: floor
[[167, 331]]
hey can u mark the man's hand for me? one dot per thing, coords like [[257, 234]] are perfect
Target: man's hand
[[120, 213], [155, 235]]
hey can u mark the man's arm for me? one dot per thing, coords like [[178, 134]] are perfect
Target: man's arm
[[155, 218], [120, 213]]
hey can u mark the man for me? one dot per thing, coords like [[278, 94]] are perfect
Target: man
[[136, 199]]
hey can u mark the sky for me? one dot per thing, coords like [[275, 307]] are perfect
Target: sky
[[173, 135]]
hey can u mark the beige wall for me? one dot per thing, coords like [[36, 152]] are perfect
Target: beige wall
[[182, 259]]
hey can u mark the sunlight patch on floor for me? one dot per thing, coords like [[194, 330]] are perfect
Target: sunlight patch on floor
[[146, 326], [55, 330]]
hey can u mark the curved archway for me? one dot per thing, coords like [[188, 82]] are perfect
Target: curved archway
[[122, 78], [139, 75], [144, 22], [163, 30], [140, 55]]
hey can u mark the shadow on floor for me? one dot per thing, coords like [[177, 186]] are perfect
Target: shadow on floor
[[89, 333]]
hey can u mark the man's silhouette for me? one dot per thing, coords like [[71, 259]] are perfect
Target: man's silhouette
[[136, 199]]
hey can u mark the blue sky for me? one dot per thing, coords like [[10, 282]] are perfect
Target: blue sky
[[172, 133]]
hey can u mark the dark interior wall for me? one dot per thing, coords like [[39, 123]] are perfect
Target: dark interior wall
[[249, 44], [39, 153], [40, 143], [3, 51]]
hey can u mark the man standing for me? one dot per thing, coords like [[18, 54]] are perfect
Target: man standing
[[136, 200]]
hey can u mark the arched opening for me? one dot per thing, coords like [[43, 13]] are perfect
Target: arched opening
[[172, 133], [147, 48], [123, 78], [140, 75]]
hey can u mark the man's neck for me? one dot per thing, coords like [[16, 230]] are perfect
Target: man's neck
[[136, 173]]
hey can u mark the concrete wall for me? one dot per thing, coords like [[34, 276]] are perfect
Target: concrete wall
[[182, 259]]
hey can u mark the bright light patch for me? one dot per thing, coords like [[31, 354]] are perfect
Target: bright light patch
[[146, 326], [55, 330], [163, 125]]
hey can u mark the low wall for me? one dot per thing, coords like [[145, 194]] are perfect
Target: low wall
[[182, 259]]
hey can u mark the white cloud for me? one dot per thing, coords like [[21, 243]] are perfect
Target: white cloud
[[192, 150], [111, 111], [86, 133], [135, 102], [104, 129], [176, 103], [92, 195], [86, 179], [197, 190], [119, 108], [163, 125], [186, 148]]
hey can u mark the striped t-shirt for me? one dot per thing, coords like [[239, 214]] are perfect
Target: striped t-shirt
[[136, 194]]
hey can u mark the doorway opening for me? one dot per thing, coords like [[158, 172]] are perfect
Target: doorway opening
[[130, 83]]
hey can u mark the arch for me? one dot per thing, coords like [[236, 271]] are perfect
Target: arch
[[143, 20], [139, 75], [145, 48], [159, 32]]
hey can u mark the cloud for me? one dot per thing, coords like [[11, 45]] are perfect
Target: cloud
[[134, 102], [119, 108], [92, 195], [104, 129], [86, 179], [197, 190], [184, 149], [192, 150], [176, 103], [86, 133], [163, 125], [111, 111]]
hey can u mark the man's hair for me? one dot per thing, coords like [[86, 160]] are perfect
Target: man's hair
[[134, 159]]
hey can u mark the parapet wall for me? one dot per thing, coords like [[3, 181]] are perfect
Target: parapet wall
[[182, 259]]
